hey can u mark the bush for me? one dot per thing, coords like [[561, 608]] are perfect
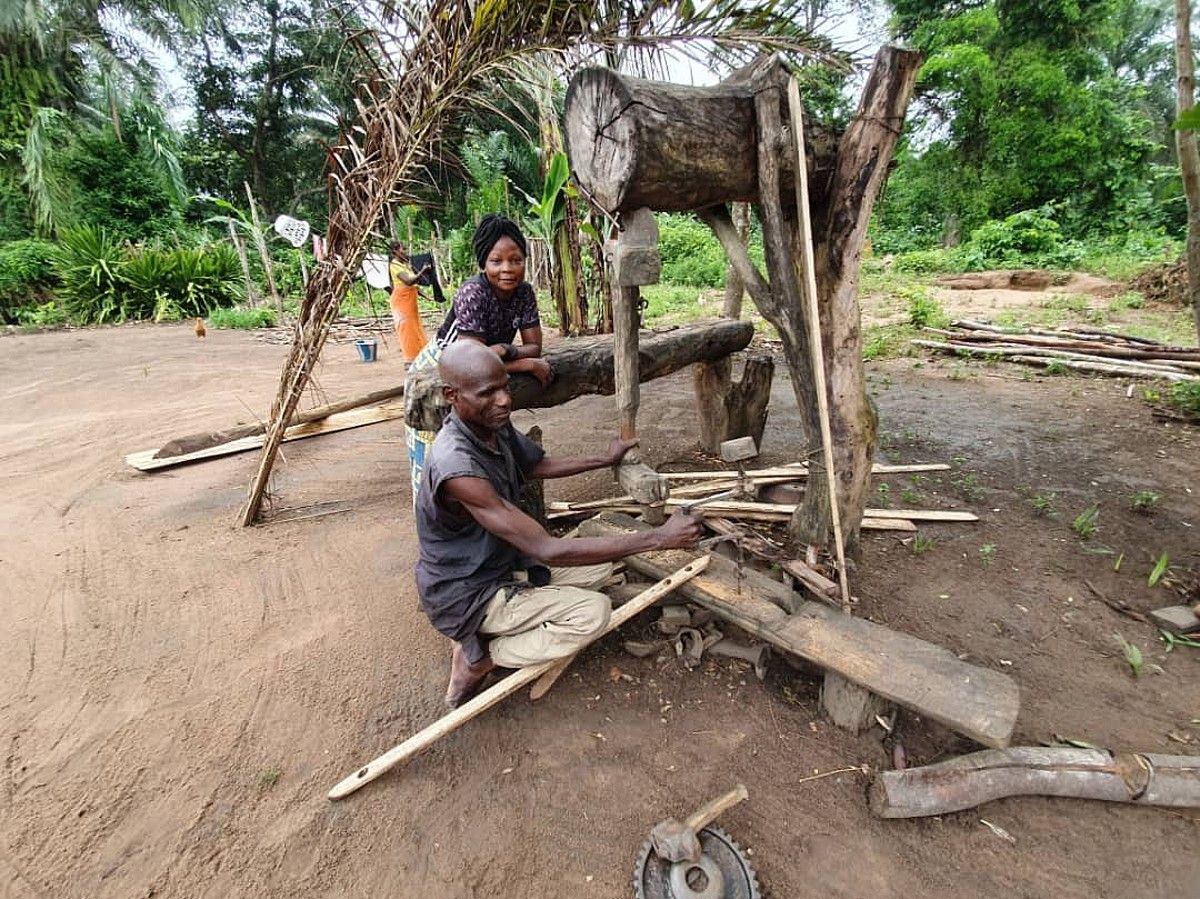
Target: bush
[[43, 315], [103, 281], [923, 262], [691, 255], [26, 275], [1185, 396], [923, 310], [243, 319], [1031, 237]]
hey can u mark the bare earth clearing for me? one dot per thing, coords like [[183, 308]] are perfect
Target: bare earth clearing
[[178, 694]]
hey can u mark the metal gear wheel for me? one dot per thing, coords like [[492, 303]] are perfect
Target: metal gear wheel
[[724, 872]]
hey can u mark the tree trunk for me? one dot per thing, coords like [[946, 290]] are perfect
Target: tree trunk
[[1185, 144], [586, 366], [839, 229], [671, 148], [734, 289]]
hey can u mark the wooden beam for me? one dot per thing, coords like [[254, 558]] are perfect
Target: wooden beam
[[511, 684], [586, 366], [193, 443], [148, 460], [927, 679]]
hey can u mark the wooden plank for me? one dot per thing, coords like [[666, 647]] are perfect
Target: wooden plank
[[511, 684], [927, 679], [797, 470], [768, 517], [781, 509], [342, 421]]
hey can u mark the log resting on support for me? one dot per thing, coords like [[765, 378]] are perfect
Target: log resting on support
[[670, 147], [585, 366]]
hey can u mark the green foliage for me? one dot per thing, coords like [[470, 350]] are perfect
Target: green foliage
[[923, 310], [43, 315], [1030, 237], [105, 281], [116, 188], [1185, 396], [1044, 504], [1133, 655], [242, 319], [922, 544], [691, 254], [26, 276], [987, 553], [1087, 522], [1145, 502], [1160, 568]]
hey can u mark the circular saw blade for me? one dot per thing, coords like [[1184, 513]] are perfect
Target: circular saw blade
[[652, 875]]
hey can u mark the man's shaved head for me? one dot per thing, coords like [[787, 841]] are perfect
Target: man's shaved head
[[475, 383]]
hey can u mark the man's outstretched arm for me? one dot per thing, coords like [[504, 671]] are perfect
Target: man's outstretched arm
[[562, 468], [514, 527]]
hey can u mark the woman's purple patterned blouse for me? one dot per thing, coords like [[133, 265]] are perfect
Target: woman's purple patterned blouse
[[482, 314]]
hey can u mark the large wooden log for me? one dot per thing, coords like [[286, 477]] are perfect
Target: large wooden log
[[971, 780], [585, 366], [670, 147]]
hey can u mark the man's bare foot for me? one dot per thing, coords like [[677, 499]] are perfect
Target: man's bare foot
[[465, 678]]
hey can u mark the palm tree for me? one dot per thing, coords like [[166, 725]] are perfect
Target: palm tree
[[64, 63]]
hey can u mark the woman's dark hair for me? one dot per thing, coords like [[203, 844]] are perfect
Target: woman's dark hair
[[491, 228]]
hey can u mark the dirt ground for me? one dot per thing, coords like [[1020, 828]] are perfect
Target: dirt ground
[[177, 694]]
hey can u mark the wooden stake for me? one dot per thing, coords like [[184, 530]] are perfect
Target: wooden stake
[[511, 684], [815, 341], [263, 253], [251, 296]]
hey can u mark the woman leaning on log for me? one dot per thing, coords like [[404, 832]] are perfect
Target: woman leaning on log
[[489, 308]]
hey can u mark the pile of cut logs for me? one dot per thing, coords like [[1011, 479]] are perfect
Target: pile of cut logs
[[765, 492], [1080, 349]]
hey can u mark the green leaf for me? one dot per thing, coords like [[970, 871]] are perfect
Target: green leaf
[[1133, 655], [1160, 568]]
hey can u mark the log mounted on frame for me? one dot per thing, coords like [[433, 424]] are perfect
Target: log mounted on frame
[[670, 147], [585, 366]]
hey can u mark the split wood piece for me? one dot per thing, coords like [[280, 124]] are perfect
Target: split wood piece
[[1115, 370], [867, 524], [1085, 346], [340, 421], [511, 684], [916, 675], [585, 366], [182, 446], [815, 340], [1010, 349], [797, 470], [811, 579], [735, 506], [971, 780]]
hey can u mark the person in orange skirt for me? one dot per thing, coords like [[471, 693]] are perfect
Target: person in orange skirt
[[409, 331]]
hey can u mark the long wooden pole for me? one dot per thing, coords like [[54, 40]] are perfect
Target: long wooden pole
[[508, 686], [1185, 145], [816, 343]]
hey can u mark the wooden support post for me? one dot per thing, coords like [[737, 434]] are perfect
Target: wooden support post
[[850, 706], [251, 293], [728, 409], [263, 253]]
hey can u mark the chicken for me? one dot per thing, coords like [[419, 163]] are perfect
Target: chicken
[[200, 331]]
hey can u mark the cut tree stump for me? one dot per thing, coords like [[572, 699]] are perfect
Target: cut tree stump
[[585, 366], [916, 675], [729, 409]]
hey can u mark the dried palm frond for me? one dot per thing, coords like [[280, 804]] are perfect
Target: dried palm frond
[[431, 61]]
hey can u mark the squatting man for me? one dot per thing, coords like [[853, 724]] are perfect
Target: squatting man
[[489, 576]]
